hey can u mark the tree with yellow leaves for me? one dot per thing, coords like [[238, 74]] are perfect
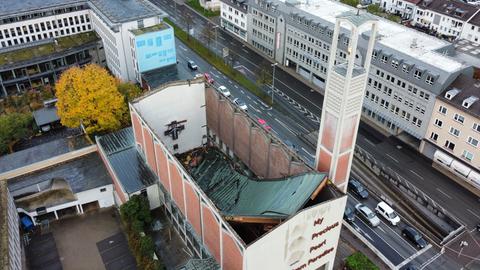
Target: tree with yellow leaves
[[89, 96]]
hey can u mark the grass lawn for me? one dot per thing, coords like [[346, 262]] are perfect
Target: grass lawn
[[219, 63], [195, 4]]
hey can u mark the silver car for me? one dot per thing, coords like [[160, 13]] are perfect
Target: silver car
[[367, 215]]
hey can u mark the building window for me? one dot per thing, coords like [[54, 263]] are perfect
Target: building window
[[429, 80], [442, 110], [405, 68], [374, 55], [395, 63], [438, 123], [459, 118], [472, 141], [449, 145], [417, 74], [476, 127], [455, 132], [467, 155], [434, 136], [384, 59], [103, 189]]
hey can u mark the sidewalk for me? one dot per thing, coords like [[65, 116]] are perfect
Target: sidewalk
[[349, 244]]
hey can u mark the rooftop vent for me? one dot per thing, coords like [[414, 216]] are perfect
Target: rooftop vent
[[414, 43], [451, 93], [50, 103], [469, 101]]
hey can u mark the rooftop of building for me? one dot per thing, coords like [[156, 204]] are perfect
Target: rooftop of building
[[236, 195], [452, 8], [389, 34], [468, 87], [45, 116], [128, 165], [153, 28], [15, 7], [157, 77], [415, 2], [41, 152], [467, 52], [475, 20], [28, 53], [61, 181], [120, 11]]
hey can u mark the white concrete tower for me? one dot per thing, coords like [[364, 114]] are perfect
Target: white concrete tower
[[344, 92]]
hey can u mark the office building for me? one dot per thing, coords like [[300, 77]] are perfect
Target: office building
[[233, 14], [406, 9]]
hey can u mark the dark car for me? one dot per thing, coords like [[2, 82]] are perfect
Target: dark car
[[411, 267], [192, 65], [414, 237], [349, 214], [357, 188]]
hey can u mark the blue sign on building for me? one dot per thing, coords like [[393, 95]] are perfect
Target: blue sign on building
[[155, 49]]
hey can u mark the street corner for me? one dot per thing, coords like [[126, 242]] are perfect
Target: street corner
[[465, 249]]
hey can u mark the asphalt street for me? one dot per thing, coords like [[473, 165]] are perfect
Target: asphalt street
[[407, 162]]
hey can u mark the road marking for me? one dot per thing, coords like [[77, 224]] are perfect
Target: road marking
[[473, 213], [285, 126], [242, 92], [429, 261], [392, 158], [257, 110], [381, 229], [183, 48], [445, 194], [369, 142], [418, 175], [236, 86], [230, 82], [269, 114], [254, 101], [249, 97], [305, 150], [225, 77], [215, 75], [245, 50], [173, 19], [222, 38]]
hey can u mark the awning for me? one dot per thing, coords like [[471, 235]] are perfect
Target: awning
[[474, 178], [460, 168], [442, 158]]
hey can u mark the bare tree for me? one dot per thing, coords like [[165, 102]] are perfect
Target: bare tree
[[264, 76], [189, 22], [208, 35]]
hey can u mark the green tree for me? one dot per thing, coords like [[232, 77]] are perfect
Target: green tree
[[89, 96], [208, 35], [136, 212], [352, 3], [129, 90], [13, 127], [374, 9], [359, 261], [188, 22], [265, 74]]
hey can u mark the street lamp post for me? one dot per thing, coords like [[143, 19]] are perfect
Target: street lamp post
[[273, 81]]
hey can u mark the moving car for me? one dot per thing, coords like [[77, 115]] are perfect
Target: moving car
[[222, 89], [387, 212], [367, 215], [357, 188], [414, 237], [192, 65], [241, 104], [263, 123], [208, 78], [349, 215]]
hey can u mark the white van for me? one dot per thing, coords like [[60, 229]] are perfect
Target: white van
[[387, 212]]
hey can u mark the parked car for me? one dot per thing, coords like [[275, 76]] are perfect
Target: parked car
[[387, 212], [198, 75], [208, 78], [349, 214], [222, 89], [241, 104], [414, 236], [192, 65], [357, 188], [367, 215], [264, 124]]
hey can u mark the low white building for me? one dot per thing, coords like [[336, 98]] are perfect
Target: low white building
[[234, 17], [471, 30], [404, 8]]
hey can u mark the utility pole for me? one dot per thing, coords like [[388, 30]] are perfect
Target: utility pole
[[273, 81]]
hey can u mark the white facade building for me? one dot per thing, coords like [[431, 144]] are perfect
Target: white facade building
[[404, 8], [471, 30], [234, 17]]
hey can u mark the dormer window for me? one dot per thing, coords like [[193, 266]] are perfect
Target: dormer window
[[430, 79], [374, 54], [395, 63], [469, 101], [405, 68], [384, 59], [451, 93], [417, 74]]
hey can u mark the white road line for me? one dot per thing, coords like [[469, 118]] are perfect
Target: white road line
[[225, 77], [245, 50], [381, 229], [183, 48], [285, 126], [369, 142], [445, 194], [230, 82], [392, 158], [242, 92], [255, 102], [429, 261], [418, 175], [473, 213], [249, 97], [305, 150], [257, 110], [215, 75], [236, 86], [269, 114], [220, 37]]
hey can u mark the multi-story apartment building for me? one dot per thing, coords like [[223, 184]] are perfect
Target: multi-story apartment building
[[234, 17], [408, 68], [132, 33], [404, 8], [444, 17], [471, 29], [454, 131]]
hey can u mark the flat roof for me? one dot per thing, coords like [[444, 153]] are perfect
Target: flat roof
[[45, 116], [390, 34], [468, 87], [38, 51], [157, 77], [153, 28], [128, 165], [119, 11], [16, 7], [236, 194], [41, 152]]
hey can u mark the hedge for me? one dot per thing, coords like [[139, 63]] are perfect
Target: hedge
[[359, 261], [195, 4]]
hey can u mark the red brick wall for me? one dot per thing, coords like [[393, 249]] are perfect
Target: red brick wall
[[225, 111], [211, 232], [278, 162], [329, 130], [341, 170], [242, 137], [193, 208], [297, 168], [211, 101], [137, 128], [115, 181], [232, 255], [259, 152], [349, 127], [325, 160], [177, 186], [149, 150], [162, 169]]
